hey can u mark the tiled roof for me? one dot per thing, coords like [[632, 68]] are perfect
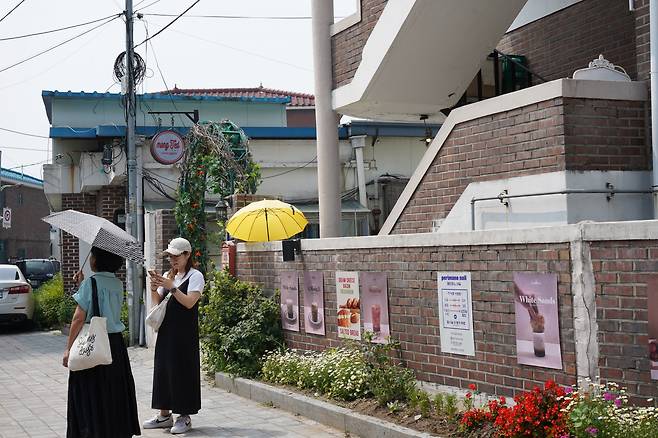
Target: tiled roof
[[296, 99]]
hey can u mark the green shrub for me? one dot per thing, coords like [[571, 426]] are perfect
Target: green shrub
[[51, 305], [238, 324]]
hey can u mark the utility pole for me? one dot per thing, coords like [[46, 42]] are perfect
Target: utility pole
[[133, 271]]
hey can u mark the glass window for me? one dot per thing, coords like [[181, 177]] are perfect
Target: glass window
[[38, 267], [9, 273]]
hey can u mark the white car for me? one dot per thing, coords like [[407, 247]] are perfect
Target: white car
[[16, 297]]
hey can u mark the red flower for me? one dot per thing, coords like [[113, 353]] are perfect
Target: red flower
[[472, 387], [197, 254]]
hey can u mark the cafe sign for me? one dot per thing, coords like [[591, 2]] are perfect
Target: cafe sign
[[167, 147]]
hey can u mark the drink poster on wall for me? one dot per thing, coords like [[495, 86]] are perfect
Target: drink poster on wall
[[290, 301], [349, 305], [374, 306], [456, 313], [652, 304], [537, 324], [314, 302]]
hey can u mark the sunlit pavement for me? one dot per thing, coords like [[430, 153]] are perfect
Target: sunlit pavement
[[33, 387]]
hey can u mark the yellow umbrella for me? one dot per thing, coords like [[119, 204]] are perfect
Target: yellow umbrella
[[267, 220]]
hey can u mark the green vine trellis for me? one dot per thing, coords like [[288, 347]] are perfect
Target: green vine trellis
[[216, 160]]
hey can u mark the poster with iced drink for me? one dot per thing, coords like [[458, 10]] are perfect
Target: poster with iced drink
[[456, 313], [290, 301], [537, 325], [349, 306], [374, 305], [652, 304], [314, 302]]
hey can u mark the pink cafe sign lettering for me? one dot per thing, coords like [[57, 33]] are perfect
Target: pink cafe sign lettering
[[167, 147]]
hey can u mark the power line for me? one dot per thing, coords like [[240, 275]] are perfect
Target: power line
[[28, 165], [243, 17], [169, 24], [147, 6], [60, 44], [291, 170], [12, 10], [56, 30], [23, 133], [24, 149], [258, 55]]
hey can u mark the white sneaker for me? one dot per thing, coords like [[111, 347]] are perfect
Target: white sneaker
[[159, 422], [183, 424]]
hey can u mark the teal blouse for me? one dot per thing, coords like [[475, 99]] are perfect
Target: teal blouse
[[110, 299]]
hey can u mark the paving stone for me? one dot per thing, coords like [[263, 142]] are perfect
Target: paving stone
[[33, 391]]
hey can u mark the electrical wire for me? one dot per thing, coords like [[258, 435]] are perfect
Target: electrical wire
[[169, 24], [243, 17], [12, 10], [29, 165], [24, 149], [157, 64], [55, 30], [147, 6], [60, 44], [257, 55], [291, 170], [24, 133]]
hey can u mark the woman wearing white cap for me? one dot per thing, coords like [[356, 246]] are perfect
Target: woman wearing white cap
[[177, 371]]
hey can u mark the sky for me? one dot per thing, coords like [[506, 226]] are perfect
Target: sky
[[194, 52]]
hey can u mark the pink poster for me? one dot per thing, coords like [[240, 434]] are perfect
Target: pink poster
[[290, 301], [374, 305], [314, 302], [537, 325], [652, 304]]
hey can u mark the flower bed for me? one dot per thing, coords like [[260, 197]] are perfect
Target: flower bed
[[367, 378]]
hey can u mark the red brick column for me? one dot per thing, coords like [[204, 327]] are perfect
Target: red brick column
[[85, 203]]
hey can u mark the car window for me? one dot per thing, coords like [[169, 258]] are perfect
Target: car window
[[9, 273], [39, 267]]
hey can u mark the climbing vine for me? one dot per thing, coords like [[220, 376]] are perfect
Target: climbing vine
[[217, 160]]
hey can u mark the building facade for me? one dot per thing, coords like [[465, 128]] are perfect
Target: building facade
[[29, 236]]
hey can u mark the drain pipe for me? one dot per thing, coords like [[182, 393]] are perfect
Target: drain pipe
[[358, 143], [653, 44]]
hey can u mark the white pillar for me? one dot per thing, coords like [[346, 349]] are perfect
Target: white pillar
[[326, 121], [358, 142], [653, 47]]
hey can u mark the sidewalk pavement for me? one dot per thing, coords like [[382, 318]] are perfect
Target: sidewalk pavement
[[33, 388]]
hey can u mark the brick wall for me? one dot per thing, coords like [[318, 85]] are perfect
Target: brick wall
[[165, 230], [85, 203], [605, 135], [108, 200], [347, 46], [642, 47], [569, 39], [555, 135], [413, 304], [621, 270]]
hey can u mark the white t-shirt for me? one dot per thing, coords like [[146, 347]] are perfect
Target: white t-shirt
[[196, 283]]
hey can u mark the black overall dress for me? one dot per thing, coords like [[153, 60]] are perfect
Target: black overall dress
[[177, 368]]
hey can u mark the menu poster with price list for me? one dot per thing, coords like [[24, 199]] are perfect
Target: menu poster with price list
[[456, 313]]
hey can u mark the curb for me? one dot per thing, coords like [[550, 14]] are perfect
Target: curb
[[325, 413]]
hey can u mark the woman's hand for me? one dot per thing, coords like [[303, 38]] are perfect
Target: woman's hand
[[159, 280], [65, 359], [78, 277]]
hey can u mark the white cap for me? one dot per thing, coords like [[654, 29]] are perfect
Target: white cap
[[178, 246]]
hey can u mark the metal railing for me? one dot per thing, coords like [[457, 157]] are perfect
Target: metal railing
[[503, 196]]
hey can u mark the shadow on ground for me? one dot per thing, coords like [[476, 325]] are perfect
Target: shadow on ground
[[233, 432]]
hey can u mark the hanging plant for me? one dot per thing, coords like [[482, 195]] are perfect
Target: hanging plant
[[217, 160]]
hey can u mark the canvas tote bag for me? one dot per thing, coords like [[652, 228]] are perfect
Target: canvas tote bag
[[92, 345], [157, 314]]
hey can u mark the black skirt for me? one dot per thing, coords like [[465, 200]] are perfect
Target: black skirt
[[102, 402], [177, 368]]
